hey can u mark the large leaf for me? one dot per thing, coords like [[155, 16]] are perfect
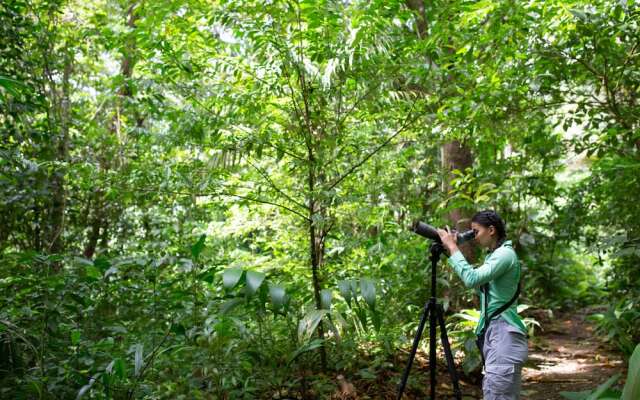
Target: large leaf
[[309, 323], [75, 337], [376, 318], [11, 85], [117, 367], [83, 390], [254, 280], [278, 296], [230, 305], [368, 291], [231, 277], [596, 394], [325, 298], [600, 390], [631, 389], [138, 359], [308, 346], [344, 287], [197, 248], [582, 395], [93, 273]]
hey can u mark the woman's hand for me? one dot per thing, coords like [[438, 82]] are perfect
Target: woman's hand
[[449, 239]]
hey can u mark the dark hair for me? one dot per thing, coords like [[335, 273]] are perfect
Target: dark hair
[[489, 218]]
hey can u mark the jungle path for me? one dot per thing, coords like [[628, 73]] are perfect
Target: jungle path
[[568, 355], [565, 355]]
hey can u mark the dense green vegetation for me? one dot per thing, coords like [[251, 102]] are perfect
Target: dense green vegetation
[[210, 199]]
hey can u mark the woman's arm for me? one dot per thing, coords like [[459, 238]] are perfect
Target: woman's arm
[[496, 265]]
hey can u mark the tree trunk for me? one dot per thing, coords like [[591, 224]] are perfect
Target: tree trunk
[[317, 258], [456, 155], [98, 227], [316, 243], [61, 144], [96, 224]]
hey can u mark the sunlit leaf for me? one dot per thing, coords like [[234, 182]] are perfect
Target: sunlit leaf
[[231, 277], [254, 280]]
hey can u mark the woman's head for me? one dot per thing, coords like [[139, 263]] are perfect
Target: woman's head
[[490, 229]]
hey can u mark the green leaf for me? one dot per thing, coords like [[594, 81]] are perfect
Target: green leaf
[[83, 261], [366, 373], [469, 315], [230, 305], [83, 390], [102, 263], [361, 313], [344, 287], [312, 345], [207, 276], [197, 248], [231, 277], [93, 272], [75, 337], [376, 318], [604, 387], [579, 14], [178, 329], [278, 296], [368, 291], [138, 360], [11, 85], [582, 395], [117, 367], [309, 323], [588, 395], [254, 280], [325, 298], [334, 329], [631, 389]]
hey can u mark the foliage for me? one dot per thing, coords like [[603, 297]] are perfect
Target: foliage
[[210, 199]]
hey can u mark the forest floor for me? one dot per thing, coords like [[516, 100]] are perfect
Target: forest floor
[[568, 356], [565, 355]]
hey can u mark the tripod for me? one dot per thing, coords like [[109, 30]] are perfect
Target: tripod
[[436, 313]]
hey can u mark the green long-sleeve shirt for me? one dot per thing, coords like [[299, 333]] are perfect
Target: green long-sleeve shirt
[[501, 269]]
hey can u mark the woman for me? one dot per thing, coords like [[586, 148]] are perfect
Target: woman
[[505, 342]]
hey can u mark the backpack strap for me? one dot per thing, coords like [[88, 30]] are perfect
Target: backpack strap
[[501, 309]]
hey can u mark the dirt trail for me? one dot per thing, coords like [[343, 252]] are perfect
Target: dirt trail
[[566, 355]]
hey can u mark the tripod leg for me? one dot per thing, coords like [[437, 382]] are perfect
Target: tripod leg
[[416, 340], [432, 351], [447, 351]]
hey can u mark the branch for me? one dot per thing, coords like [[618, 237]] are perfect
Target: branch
[[611, 96], [150, 358], [273, 185], [229, 194], [355, 104], [611, 103], [268, 143], [287, 152], [408, 121], [626, 61]]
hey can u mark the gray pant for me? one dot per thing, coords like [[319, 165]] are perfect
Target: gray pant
[[505, 350]]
